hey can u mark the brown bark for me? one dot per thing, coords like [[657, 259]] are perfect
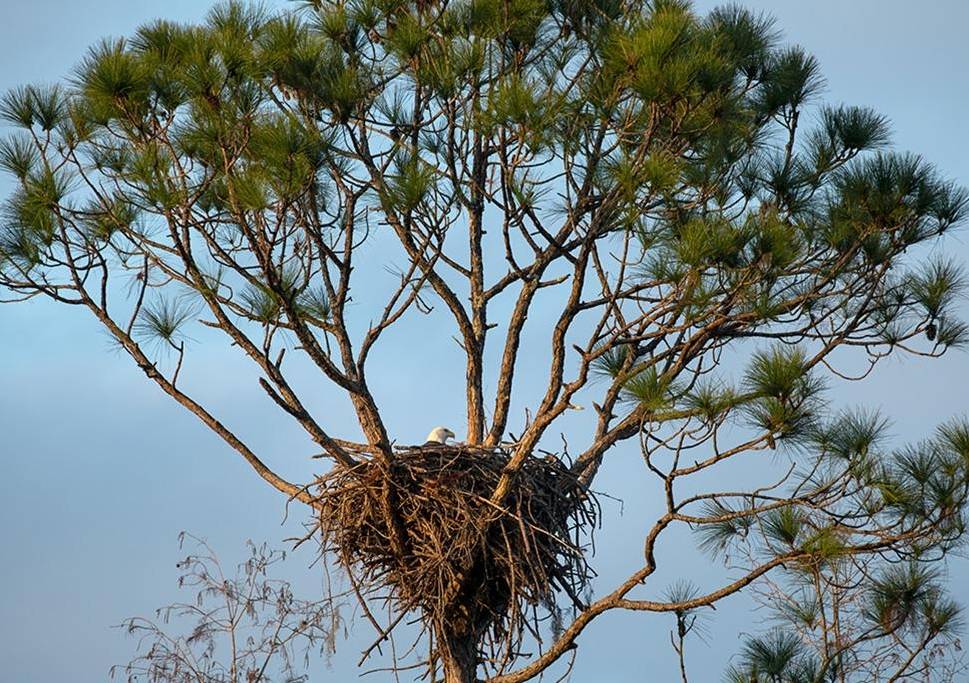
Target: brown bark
[[459, 657]]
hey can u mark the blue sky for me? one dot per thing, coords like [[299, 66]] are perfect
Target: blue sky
[[100, 471]]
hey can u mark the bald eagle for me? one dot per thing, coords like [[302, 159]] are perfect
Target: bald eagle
[[439, 436]]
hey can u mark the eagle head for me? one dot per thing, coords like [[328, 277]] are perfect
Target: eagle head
[[439, 435]]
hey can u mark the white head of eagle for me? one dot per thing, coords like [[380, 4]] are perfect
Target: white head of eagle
[[439, 435]]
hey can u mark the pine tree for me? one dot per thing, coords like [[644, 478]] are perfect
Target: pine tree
[[664, 188]]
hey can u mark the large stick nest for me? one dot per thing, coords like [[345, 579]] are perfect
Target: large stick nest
[[423, 532]]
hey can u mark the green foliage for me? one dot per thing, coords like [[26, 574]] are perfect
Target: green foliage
[[786, 392], [410, 184], [908, 597], [774, 243], [19, 252], [314, 304], [42, 106], [648, 389], [784, 525], [659, 173], [261, 303], [343, 88], [17, 107], [104, 219], [722, 526], [33, 208], [408, 37], [927, 481], [613, 361], [951, 333], [854, 129], [775, 656], [149, 169], [954, 438], [853, 436], [802, 609], [266, 303], [50, 107], [450, 66], [824, 544], [681, 591], [937, 285], [18, 156], [712, 400], [515, 102], [237, 20], [700, 243], [792, 78], [897, 193], [778, 372], [514, 24], [746, 38], [666, 55], [287, 155], [114, 82], [162, 320], [29, 106]]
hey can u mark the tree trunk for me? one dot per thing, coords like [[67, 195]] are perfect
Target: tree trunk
[[460, 658]]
